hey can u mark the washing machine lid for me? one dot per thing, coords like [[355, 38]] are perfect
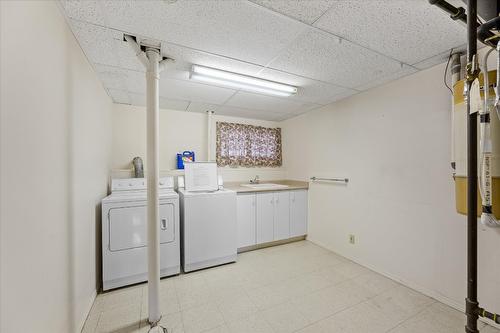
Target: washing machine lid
[[205, 193]]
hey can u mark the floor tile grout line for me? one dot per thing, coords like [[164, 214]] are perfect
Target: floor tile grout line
[[100, 302], [346, 308], [424, 308]]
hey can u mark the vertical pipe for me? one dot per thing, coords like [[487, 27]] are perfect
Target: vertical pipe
[[209, 135], [456, 68], [152, 81], [471, 301]]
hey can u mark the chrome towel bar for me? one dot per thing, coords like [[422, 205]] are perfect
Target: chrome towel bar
[[342, 180]]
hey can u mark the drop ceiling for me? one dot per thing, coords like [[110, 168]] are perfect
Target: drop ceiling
[[330, 49]]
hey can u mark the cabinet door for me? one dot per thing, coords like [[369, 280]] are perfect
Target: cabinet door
[[298, 213], [281, 215], [246, 219], [265, 217]]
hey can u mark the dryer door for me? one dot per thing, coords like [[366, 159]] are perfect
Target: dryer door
[[127, 226]]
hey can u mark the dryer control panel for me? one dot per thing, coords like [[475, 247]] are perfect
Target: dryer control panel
[[134, 184]]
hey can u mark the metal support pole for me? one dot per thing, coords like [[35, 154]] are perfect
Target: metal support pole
[[153, 107], [152, 115], [151, 59], [471, 304]]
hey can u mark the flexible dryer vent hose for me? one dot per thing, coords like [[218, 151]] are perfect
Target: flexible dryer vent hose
[[138, 167]]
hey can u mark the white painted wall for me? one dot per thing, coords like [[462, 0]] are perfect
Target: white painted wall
[[55, 145], [393, 143], [179, 131]]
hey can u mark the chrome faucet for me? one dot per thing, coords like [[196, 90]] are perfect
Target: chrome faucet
[[255, 180]]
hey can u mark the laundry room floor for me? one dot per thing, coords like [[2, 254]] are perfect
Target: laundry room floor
[[297, 287]]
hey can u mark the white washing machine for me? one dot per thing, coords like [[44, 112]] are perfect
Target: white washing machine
[[208, 228], [124, 232]]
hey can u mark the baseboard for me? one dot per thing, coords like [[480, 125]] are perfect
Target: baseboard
[[194, 266], [269, 244], [87, 311], [412, 285]]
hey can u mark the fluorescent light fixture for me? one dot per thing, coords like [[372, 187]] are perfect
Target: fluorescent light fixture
[[239, 81]]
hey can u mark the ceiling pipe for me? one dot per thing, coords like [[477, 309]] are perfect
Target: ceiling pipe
[[151, 59], [458, 14], [484, 31]]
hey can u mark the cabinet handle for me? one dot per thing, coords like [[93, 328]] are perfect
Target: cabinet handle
[[163, 224], [272, 200]]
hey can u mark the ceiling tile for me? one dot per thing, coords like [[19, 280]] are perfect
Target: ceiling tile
[[111, 77], [305, 11], [249, 113], [243, 37], [85, 10], [321, 56], [100, 44], [172, 104], [407, 30], [135, 82], [248, 100], [405, 70], [106, 46], [137, 99], [192, 91], [165, 103], [306, 108], [222, 27], [439, 58], [119, 96], [186, 57], [118, 78], [201, 107], [308, 90]]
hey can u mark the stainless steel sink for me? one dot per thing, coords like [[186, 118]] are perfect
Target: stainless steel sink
[[264, 186]]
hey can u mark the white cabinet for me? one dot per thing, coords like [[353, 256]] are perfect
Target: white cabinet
[[246, 204], [281, 215], [265, 217], [298, 213]]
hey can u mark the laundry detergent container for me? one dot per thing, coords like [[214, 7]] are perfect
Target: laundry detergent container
[[184, 157]]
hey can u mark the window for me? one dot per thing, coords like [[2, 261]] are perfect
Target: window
[[247, 145]]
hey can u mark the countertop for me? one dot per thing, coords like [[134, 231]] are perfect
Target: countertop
[[292, 185]]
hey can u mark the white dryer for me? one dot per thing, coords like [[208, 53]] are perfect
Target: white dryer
[[124, 232]]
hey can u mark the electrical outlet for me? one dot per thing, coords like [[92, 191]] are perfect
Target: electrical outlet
[[352, 239]]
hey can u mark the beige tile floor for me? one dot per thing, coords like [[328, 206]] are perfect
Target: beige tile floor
[[297, 287]]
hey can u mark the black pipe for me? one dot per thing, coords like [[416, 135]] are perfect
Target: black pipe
[[483, 32], [471, 304], [458, 13], [486, 314]]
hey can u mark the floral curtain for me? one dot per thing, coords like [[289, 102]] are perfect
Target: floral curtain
[[247, 145]]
